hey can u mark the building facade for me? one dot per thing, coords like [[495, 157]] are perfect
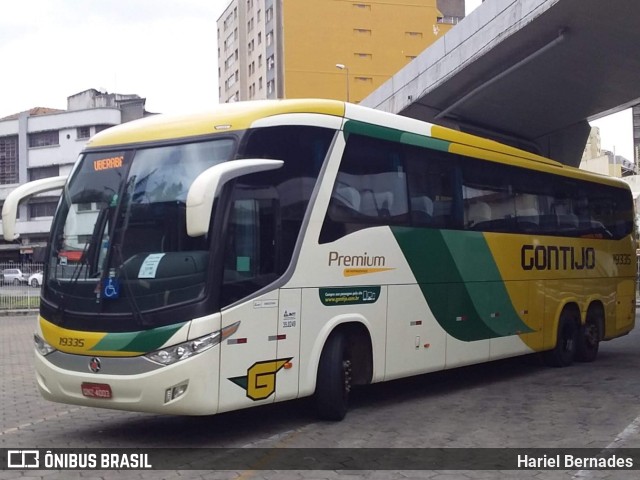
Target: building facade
[[325, 48], [595, 159], [45, 142]]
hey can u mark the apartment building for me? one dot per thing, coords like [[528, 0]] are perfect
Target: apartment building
[[326, 48], [45, 142]]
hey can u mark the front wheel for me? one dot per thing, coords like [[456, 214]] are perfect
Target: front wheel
[[566, 343], [34, 283], [334, 379]]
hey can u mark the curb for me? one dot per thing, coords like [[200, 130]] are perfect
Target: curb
[[14, 313]]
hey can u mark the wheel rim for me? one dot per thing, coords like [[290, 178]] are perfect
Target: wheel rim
[[346, 374]]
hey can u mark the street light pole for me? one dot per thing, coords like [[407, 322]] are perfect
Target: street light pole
[[341, 66]]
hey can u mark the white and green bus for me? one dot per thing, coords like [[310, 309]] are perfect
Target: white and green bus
[[267, 251]]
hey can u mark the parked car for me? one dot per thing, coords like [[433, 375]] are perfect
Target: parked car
[[35, 280], [13, 276]]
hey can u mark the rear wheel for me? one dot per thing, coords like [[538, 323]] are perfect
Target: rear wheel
[[334, 379], [34, 283], [590, 335], [566, 343]]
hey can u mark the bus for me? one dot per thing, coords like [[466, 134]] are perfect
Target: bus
[[272, 250]]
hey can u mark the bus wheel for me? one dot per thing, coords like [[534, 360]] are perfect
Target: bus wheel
[[589, 336], [566, 343], [334, 379]]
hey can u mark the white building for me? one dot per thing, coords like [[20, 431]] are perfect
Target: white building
[[45, 142], [597, 160]]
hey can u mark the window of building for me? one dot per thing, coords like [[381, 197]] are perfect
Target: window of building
[[83, 132], [44, 139], [228, 20], [8, 160], [449, 20], [228, 43], [42, 209], [269, 14], [231, 81], [85, 207], [100, 128], [43, 172]]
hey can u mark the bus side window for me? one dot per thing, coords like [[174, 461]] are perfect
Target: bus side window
[[431, 175], [370, 189]]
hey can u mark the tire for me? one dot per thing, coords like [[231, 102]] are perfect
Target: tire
[[34, 283], [16, 281], [589, 336], [334, 379], [564, 352]]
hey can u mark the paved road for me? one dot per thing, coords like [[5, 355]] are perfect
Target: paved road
[[22, 288], [515, 403]]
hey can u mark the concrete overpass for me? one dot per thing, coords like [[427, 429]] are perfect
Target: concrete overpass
[[530, 73]]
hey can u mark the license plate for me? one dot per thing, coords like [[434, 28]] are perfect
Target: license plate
[[96, 390]]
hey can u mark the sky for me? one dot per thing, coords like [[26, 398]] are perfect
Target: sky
[[163, 50]]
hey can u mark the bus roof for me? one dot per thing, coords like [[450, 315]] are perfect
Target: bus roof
[[242, 115], [224, 117]]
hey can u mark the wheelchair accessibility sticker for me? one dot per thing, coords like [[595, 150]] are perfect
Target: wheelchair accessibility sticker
[[111, 288]]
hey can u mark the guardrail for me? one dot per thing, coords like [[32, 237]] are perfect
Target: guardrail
[[19, 288]]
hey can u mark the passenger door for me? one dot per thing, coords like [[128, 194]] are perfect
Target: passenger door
[[248, 361]]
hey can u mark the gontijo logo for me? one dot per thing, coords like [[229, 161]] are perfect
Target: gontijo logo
[[260, 381], [552, 257]]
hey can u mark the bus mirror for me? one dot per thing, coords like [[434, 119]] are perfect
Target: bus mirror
[[206, 186], [10, 207]]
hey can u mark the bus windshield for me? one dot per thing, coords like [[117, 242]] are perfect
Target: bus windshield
[[119, 239]]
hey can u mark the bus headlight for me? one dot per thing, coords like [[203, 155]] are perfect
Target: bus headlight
[[175, 353], [42, 346]]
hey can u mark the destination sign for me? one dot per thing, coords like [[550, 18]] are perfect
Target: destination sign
[[108, 163]]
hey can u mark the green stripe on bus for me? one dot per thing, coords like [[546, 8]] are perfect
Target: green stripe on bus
[[370, 130], [144, 341], [425, 142], [392, 135], [460, 282]]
